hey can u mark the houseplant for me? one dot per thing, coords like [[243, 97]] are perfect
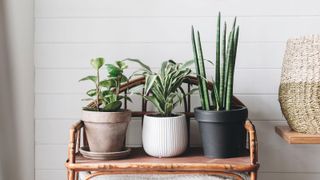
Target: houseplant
[[104, 120], [164, 133], [221, 124]]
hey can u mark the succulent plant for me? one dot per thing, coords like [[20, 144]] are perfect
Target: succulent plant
[[221, 95]]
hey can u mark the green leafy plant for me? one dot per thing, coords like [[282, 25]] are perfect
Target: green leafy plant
[[221, 95], [105, 95], [163, 89]]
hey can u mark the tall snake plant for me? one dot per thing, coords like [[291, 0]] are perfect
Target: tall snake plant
[[163, 89], [221, 95]]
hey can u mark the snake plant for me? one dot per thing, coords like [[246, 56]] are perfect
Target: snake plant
[[163, 88], [226, 50], [106, 95]]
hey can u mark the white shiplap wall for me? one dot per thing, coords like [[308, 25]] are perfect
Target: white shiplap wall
[[70, 32]]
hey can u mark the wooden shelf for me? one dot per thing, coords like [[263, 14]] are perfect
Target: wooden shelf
[[293, 137], [192, 160]]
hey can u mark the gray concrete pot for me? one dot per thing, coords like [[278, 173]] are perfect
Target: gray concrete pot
[[106, 131]]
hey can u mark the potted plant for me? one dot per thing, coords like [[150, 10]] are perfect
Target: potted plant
[[164, 133], [104, 120], [221, 124]]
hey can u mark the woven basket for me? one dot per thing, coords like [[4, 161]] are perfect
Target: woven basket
[[299, 92]]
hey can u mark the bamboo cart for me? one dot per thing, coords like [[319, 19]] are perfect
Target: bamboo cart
[[192, 162]]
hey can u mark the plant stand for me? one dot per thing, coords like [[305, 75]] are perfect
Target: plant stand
[[138, 162], [192, 162]]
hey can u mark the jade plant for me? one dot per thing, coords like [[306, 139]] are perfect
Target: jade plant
[[226, 50], [163, 88], [106, 94]]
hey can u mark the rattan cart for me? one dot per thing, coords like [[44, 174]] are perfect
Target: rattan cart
[[192, 162]]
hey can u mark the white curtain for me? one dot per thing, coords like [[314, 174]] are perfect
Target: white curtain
[[16, 90]]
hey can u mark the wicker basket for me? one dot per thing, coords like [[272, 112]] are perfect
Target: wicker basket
[[299, 92]]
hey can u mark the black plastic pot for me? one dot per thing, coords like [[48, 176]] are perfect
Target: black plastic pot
[[223, 134]]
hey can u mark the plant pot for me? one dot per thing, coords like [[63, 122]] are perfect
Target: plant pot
[[164, 136], [222, 132], [106, 131]]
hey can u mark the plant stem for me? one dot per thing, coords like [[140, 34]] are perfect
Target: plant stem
[[118, 85], [97, 89]]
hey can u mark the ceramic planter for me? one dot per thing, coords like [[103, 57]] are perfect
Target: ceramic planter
[[222, 132], [164, 136], [106, 131]]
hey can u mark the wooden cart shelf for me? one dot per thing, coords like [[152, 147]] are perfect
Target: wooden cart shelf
[[293, 137], [138, 162], [193, 160]]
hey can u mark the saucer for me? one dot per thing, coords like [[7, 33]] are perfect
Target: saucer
[[104, 155]]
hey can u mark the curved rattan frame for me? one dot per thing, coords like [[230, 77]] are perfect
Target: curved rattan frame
[[76, 134]]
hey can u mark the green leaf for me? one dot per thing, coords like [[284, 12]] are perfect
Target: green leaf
[[203, 83], [97, 63], [107, 93], [113, 70], [168, 108], [209, 61], [122, 65], [92, 92], [91, 78], [150, 79], [125, 97], [187, 64], [123, 78], [114, 106], [144, 66], [192, 91], [155, 102], [106, 83], [136, 90], [110, 97], [163, 68]]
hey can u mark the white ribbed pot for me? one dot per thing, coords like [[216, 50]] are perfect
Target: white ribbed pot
[[164, 136]]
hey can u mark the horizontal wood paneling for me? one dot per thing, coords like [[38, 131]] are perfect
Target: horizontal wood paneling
[[247, 81], [51, 174], [250, 55], [46, 131], [50, 156], [164, 29], [261, 107], [142, 8]]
